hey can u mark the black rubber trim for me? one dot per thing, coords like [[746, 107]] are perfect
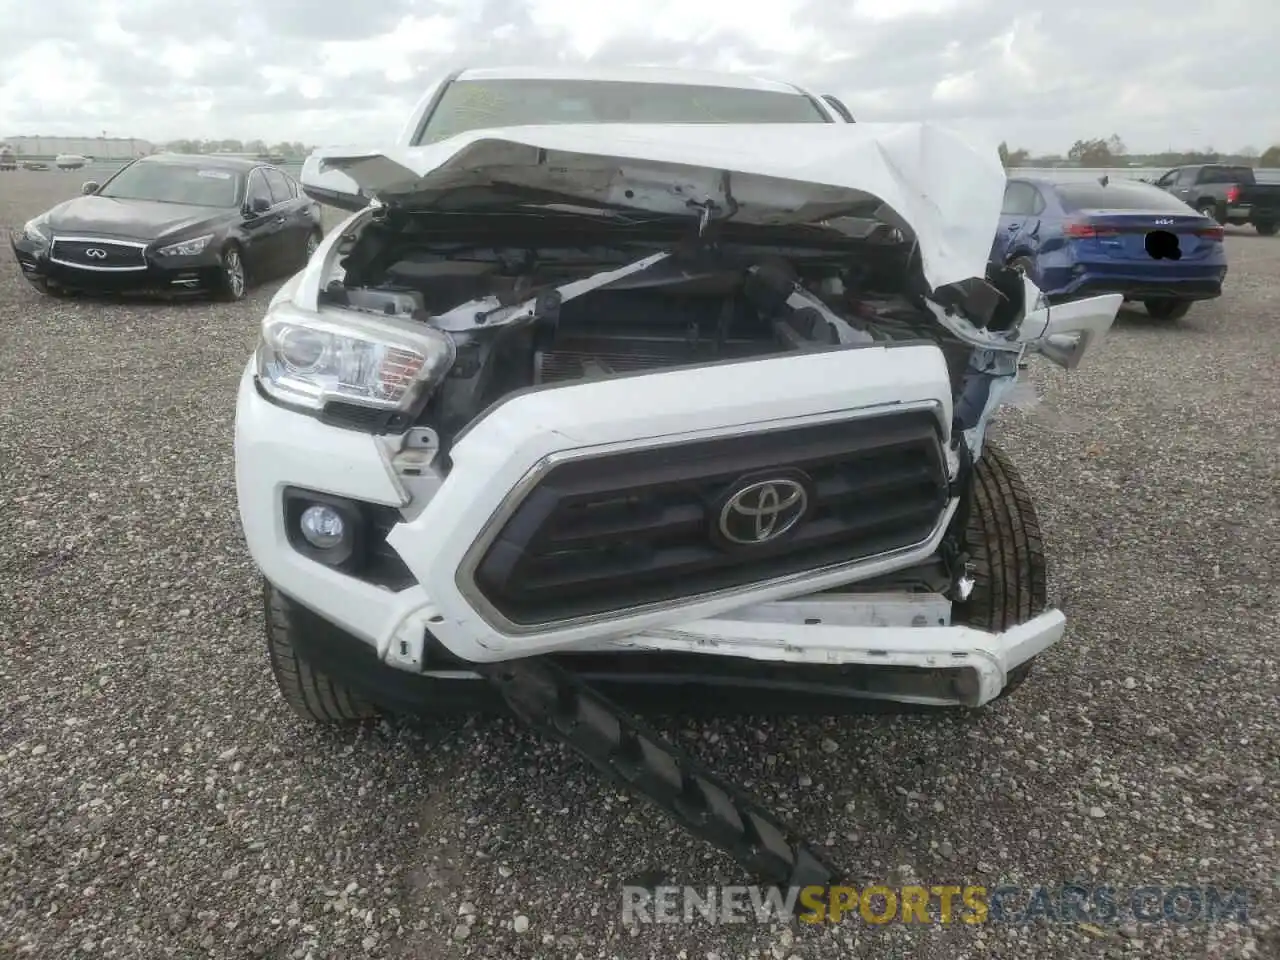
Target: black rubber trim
[[552, 701], [350, 416], [367, 556]]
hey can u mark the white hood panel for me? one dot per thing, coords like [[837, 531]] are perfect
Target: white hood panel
[[927, 178]]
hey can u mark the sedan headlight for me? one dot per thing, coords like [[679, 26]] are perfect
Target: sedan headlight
[[186, 248], [308, 359], [37, 230]]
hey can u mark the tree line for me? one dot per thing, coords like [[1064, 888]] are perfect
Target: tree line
[[1111, 152], [292, 150]]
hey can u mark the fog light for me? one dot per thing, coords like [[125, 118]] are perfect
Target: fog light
[[322, 526]]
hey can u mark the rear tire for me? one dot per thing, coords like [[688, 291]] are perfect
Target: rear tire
[[1209, 210], [312, 695], [1006, 551], [1166, 309], [1267, 228]]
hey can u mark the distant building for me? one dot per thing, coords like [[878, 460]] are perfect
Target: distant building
[[100, 148]]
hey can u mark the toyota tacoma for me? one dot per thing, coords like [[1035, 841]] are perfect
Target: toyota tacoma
[[1227, 194], [607, 400]]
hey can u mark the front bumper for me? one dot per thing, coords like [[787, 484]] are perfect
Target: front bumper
[[719, 668], [200, 273], [793, 633]]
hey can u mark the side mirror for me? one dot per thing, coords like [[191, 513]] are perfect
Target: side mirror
[[1065, 333], [333, 188], [90, 187], [259, 205]]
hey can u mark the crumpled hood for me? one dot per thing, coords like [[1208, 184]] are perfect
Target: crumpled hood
[[926, 178]]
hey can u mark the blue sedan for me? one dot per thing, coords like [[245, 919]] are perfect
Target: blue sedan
[[1101, 236]]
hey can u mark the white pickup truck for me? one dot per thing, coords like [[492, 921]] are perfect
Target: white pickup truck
[[626, 378]]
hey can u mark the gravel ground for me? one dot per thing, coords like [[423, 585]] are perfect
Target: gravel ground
[[157, 799]]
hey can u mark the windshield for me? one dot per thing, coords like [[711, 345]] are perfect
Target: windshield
[[174, 183], [479, 104], [1119, 195]]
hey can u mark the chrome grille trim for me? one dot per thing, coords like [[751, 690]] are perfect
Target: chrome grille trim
[[137, 245]]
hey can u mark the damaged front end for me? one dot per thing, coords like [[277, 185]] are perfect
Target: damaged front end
[[656, 402]]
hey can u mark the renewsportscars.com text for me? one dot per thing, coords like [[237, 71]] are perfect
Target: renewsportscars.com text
[[935, 903]]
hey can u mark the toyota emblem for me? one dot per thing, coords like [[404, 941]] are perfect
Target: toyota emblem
[[96, 253], [763, 511]]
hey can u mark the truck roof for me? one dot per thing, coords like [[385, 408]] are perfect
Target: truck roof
[[703, 78]]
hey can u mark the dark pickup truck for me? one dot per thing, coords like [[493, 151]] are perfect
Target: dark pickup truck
[[1229, 194]]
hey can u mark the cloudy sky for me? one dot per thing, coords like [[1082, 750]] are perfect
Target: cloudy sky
[[1182, 73]]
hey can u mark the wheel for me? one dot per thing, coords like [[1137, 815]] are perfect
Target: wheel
[[313, 241], [1166, 309], [1266, 228], [310, 694], [234, 281], [1006, 550], [1210, 210]]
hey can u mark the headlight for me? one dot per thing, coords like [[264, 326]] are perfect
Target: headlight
[[308, 360], [186, 248], [37, 230]]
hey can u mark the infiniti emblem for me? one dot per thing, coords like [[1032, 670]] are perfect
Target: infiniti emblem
[[763, 511], [97, 253]]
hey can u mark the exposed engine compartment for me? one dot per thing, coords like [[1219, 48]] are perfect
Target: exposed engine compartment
[[726, 296]]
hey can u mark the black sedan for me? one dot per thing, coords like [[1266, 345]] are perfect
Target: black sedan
[[173, 223]]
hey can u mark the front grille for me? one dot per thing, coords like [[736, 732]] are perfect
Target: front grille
[[625, 530], [98, 254]]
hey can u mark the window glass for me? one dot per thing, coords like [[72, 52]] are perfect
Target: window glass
[[477, 104], [1019, 200], [174, 183], [1226, 175], [1118, 195], [278, 184], [258, 188]]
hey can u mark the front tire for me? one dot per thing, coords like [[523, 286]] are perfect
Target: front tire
[[311, 694], [1266, 228], [313, 243], [233, 281], [1167, 309], [1006, 551]]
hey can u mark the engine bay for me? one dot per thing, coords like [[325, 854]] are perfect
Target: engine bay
[[570, 297]]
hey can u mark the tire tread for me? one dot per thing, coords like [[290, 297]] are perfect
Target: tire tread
[[1006, 550], [310, 693]]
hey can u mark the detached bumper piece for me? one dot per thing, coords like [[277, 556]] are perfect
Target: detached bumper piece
[[554, 702]]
